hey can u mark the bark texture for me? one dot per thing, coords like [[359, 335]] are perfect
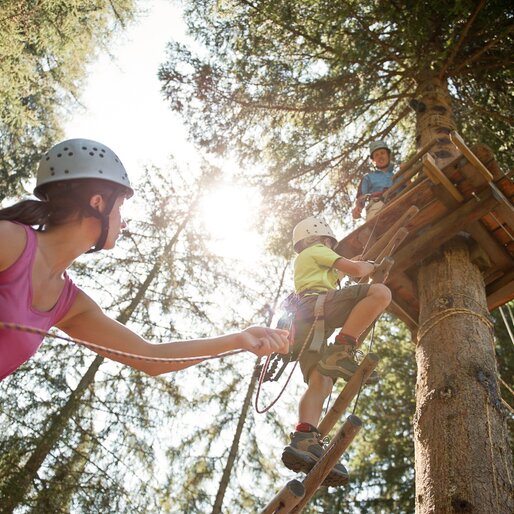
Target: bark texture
[[463, 461], [434, 118]]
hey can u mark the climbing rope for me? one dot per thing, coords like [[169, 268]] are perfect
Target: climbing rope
[[32, 330], [371, 233], [507, 324], [502, 226], [440, 316], [372, 338]]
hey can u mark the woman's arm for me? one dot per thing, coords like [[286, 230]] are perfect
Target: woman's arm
[[87, 321]]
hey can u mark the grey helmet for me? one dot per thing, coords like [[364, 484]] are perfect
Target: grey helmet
[[377, 145], [84, 159], [80, 158]]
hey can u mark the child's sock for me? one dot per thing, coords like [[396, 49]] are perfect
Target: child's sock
[[343, 338], [305, 427]]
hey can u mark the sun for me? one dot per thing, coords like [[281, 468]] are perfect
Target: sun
[[229, 213]]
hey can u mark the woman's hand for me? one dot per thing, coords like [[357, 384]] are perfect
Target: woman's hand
[[263, 341]]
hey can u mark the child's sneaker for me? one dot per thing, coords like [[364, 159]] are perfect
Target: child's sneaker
[[303, 453], [338, 361]]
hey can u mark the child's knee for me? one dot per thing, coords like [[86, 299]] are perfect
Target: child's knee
[[381, 293]]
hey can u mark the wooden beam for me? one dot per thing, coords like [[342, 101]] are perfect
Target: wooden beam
[[416, 157], [349, 392], [286, 498], [438, 176], [505, 208], [497, 253], [402, 181], [501, 291], [404, 313], [432, 238], [329, 459], [379, 245], [470, 156]]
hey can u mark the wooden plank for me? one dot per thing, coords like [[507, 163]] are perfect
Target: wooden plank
[[505, 208], [404, 313], [416, 157], [398, 183], [506, 186], [495, 251], [431, 168], [427, 242], [470, 156], [329, 459], [501, 291], [380, 244], [394, 243], [286, 498], [349, 392]]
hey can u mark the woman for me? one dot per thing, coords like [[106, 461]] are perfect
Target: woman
[[81, 186]]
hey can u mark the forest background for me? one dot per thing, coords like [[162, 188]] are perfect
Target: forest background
[[278, 103]]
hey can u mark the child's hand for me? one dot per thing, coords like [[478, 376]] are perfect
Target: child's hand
[[263, 341]]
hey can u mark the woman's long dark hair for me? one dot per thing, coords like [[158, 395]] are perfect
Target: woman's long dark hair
[[63, 202]]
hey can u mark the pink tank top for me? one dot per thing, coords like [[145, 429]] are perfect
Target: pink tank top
[[16, 307]]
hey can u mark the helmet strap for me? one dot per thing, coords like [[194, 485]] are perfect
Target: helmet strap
[[104, 220]]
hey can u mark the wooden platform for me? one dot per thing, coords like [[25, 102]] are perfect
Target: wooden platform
[[468, 194]]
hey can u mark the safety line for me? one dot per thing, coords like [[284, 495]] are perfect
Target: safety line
[[32, 330]]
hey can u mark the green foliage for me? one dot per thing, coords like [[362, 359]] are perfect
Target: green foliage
[[302, 87], [45, 48], [111, 451]]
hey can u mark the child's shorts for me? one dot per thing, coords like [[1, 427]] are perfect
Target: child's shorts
[[337, 310]]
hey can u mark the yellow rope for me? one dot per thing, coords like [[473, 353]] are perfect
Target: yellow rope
[[491, 450], [507, 386], [509, 408], [440, 316]]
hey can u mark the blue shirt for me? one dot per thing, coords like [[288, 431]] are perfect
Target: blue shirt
[[376, 181]]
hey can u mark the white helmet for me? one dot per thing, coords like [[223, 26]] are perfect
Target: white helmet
[[311, 226], [79, 159]]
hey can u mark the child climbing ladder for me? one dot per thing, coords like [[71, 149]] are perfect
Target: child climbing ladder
[[321, 309]]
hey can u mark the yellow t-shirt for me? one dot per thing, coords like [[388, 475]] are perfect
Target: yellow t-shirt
[[313, 269]]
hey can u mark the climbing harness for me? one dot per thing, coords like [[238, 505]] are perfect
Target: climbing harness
[[264, 371], [32, 330]]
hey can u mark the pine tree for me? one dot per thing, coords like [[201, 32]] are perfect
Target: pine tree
[[306, 86], [44, 50], [148, 281]]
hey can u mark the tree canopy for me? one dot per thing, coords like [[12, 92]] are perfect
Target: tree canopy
[[45, 48], [303, 87]]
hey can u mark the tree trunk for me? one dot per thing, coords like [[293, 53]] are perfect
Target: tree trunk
[[227, 471], [463, 459], [435, 118], [234, 448]]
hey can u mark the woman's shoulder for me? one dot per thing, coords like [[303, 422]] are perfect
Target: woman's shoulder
[[14, 239]]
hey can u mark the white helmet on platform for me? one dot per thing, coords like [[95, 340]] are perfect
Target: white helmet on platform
[[80, 159], [309, 227]]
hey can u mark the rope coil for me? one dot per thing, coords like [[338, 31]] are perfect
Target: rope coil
[[440, 316]]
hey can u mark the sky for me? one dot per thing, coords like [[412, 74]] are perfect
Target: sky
[[121, 102], [122, 107]]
